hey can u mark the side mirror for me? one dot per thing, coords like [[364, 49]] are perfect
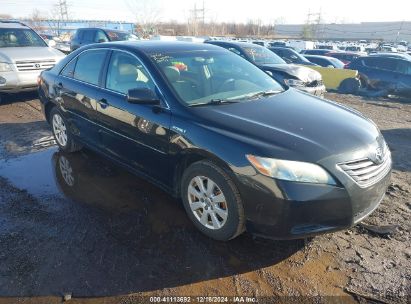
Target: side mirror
[[330, 66], [269, 73], [142, 96], [102, 40]]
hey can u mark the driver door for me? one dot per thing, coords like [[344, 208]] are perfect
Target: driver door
[[134, 134]]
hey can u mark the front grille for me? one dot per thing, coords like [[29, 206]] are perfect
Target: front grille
[[37, 65], [315, 83], [365, 172]]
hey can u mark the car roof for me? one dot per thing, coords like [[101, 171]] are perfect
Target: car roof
[[281, 48], [233, 43], [101, 28], [12, 24], [319, 57], [150, 46]]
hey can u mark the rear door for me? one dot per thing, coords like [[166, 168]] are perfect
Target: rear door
[[404, 77], [136, 134], [78, 87], [381, 72]]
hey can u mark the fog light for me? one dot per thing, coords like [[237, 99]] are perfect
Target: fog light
[[2, 80]]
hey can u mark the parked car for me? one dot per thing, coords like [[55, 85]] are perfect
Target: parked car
[[299, 77], [242, 151], [393, 55], [321, 52], [388, 75], [85, 36], [355, 48], [325, 61], [345, 57], [23, 55], [291, 56]]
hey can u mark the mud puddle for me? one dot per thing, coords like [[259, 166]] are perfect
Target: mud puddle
[[76, 223]]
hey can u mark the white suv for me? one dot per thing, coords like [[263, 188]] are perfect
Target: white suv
[[23, 55]]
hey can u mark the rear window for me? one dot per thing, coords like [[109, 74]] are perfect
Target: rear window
[[89, 65]]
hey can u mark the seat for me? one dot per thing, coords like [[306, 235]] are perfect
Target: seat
[[184, 89]]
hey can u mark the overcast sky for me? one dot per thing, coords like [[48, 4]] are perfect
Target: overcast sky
[[221, 10]]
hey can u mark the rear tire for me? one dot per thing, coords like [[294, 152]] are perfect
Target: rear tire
[[61, 132], [212, 201]]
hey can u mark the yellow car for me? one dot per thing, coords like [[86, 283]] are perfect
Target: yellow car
[[342, 80]]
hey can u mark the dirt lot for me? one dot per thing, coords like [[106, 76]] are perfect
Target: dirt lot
[[80, 226]]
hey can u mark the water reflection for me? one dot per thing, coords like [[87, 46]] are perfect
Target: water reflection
[[109, 233]]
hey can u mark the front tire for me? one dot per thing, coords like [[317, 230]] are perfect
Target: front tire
[[212, 201], [62, 135]]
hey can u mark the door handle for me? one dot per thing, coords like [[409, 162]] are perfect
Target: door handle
[[103, 103]]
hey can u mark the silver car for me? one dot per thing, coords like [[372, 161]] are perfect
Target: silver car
[[23, 55]]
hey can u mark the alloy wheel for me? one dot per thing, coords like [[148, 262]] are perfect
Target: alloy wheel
[[60, 130], [207, 202]]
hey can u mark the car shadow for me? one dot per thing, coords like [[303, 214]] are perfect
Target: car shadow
[[399, 141], [6, 98], [93, 229]]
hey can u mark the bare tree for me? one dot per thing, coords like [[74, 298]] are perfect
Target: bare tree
[[35, 20], [5, 16], [147, 14]]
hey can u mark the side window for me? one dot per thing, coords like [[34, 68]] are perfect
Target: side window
[[370, 62], [68, 70], [100, 37], [404, 67], [89, 65], [88, 35], [387, 64], [126, 72]]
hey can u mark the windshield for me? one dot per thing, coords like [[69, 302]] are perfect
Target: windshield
[[204, 77], [121, 36], [262, 55], [20, 38]]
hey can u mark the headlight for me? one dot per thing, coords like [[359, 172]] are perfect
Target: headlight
[[291, 170], [5, 67], [294, 83]]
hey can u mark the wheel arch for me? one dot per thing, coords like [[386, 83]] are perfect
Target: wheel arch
[[191, 156]]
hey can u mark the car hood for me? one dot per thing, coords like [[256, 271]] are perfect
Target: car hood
[[292, 125], [302, 73], [13, 54]]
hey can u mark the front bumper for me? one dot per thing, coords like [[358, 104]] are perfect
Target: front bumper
[[316, 91], [19, 81], [290, 210]]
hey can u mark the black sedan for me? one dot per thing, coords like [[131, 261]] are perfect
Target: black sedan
[[299, 77], [239, 149]]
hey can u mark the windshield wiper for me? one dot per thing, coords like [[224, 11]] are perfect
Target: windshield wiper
[[214, 102], [263, 94]]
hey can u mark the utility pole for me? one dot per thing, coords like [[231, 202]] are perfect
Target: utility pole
[[63, 9], [197, 14]]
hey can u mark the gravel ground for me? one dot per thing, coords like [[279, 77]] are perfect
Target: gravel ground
[[105, 236]]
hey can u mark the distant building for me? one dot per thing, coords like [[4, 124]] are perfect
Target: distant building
[[387, 31], [62, 27]]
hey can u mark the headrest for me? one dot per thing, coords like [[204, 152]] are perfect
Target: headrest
[[126, 72], [12, 38], [172, 73]]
